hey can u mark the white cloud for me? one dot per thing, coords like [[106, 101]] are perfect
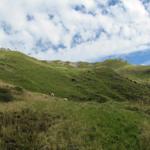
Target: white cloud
[[74, 30]]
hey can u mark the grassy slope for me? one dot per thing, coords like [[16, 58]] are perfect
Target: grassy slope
[[52, 123], [96, 82], [139, 73], [37, 121]]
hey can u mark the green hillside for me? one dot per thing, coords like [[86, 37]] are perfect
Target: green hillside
[[37, 121], [140, 74], [97, 106], [92, 82]]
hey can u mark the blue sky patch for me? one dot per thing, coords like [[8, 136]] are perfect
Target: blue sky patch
[[46, 45], [30, 17], [139, 57], [6, 27], [76, 40], [51, 16], [113, 2], [82, 9]]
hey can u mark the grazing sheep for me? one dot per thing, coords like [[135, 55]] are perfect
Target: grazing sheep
[[51, 94], [65, 99]]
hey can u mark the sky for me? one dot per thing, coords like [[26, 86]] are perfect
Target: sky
[[77, 30]]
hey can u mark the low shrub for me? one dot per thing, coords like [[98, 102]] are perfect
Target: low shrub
[[18, 88], [5, 95]]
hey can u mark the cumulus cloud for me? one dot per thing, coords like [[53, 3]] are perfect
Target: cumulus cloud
[[75, 29]]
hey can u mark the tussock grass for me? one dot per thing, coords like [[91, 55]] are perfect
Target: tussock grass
[[66, 125]]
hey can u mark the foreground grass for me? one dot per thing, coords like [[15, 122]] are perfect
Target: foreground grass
[[66, 125]]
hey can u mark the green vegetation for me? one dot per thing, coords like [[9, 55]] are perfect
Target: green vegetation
[[57, 124], [5, 95], [99, 106], [99, 82], [140, 74]]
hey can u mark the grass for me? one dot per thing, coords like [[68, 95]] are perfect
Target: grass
[[140, 74], [87, 82], [99, 106], [57, 124]]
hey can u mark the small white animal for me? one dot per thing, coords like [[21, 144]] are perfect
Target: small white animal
[[65, 99], [52, 94]]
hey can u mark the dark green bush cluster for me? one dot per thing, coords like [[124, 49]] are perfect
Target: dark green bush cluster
[[5, 95], [18, 89]]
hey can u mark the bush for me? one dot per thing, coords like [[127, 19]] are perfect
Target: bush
[[18, 88], [5, 95]]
